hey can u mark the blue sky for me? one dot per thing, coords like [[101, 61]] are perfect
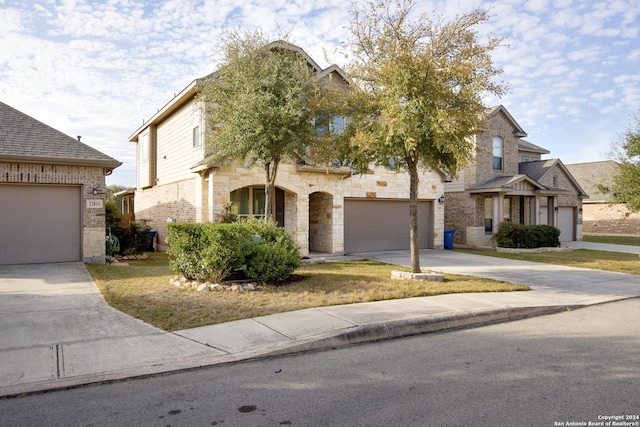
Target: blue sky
[[98, 68]]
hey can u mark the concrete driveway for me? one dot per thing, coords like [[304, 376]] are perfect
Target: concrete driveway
[[55, 324]]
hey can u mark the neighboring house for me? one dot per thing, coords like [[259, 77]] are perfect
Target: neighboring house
[[52, 190], [125, 200], [325, 209], [599, 215], [508, 181]]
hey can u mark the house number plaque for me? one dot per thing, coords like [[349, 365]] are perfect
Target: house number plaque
[[94, 204]]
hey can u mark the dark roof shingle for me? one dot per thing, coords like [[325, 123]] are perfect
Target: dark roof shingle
[[25, 139]]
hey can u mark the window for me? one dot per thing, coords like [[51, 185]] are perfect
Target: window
[[196, 137], [525, 159], [248, 201], [497, 153], [555, 181], [336, 125], [488, 213], [144, 147]]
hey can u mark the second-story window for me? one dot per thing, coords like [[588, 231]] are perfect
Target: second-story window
[[498, 150], [144, 147], [196, 136], [335, 126]]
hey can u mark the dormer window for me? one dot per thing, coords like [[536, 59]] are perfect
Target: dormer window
[[498, 149]]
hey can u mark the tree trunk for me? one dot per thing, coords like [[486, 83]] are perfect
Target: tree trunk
[[271, 169], [413, 216]]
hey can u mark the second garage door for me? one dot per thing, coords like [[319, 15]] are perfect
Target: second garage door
[[39, 224], [566, 224], [383, 225]]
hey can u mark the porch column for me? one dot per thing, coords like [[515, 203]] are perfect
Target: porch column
[[338, 224], [498, 211], [301, 235], [535, 210], [210, 212], [198, 200]]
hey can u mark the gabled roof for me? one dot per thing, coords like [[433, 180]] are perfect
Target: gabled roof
[[504, 182], [527, 146], [517, 129], [24, 139], [192, 89], [539, 170]]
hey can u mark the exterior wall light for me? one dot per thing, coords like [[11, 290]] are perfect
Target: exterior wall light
[[441, 200], [94, 191]]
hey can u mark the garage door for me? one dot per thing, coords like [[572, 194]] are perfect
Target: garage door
[[39, 224], [566, 224], [383, 225]]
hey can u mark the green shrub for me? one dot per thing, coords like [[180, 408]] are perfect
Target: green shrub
[[210, 252], [508, 235], [274, 256], [526, 236], [205, 252]]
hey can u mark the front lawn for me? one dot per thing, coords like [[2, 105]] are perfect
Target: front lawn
[[599, 260], [143, 290]]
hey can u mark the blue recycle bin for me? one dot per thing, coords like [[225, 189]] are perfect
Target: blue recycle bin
[[152, 236], [448, 239]]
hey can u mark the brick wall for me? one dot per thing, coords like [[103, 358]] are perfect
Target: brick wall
[[87, 177], [157, 204], [602, 218]]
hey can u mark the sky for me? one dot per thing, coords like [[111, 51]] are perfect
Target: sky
[[99, 68]]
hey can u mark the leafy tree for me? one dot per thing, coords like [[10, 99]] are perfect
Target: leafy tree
[[626, 182], [259, 102], [420, 82], [111, 190]]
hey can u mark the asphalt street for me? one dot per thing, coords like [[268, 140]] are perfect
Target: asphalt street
[[578, 366]]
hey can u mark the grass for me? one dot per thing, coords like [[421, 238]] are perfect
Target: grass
[[599, 260], [614, 240], [143, 290]]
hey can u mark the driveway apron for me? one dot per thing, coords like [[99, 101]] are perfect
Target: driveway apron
[[56, 326]]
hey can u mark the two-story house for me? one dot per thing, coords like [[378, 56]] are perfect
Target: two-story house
[[509, 181], [325, 209]]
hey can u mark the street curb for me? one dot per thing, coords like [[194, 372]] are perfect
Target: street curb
[[328, 340], [413, 326]]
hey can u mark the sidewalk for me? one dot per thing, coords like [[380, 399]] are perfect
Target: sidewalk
[[124, 353]]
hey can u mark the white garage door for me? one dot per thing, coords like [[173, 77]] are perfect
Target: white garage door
[[383, 225], [39, 224], [566, 224]]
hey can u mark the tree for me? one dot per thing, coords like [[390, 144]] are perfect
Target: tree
[[420, 83], [259, 104], [626, 182]]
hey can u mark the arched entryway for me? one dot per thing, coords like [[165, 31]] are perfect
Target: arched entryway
[[321, 222]]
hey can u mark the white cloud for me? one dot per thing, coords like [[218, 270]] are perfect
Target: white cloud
[[97, 69]]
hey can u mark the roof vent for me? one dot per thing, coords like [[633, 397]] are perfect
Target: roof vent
[[79, 137]]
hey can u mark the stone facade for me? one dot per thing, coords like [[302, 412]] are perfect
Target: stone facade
[[313, 199], [86, 178]]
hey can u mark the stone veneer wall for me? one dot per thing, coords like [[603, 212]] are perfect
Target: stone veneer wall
[[178, 200], [87, 178]]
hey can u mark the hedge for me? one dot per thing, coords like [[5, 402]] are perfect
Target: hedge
[[511, 235], [211, 252]]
